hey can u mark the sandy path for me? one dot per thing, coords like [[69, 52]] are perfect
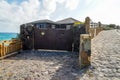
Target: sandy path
[[40, 65]]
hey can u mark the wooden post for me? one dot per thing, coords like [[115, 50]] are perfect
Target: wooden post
[[8, 49], [0, 50], [4, 50]]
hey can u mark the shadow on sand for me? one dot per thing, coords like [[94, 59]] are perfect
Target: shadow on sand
[[68, 61]]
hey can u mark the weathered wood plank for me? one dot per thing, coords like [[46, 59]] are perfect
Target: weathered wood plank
[[7, 47], [8, 55]]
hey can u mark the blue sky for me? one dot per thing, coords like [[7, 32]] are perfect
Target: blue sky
[[16, 12], [19, 1]]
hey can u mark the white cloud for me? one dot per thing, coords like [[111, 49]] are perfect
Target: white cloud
[[106, 11], [88, 2], [12, 15], [72, 4]]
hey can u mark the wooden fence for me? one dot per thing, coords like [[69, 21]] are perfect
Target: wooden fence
[[9, 46], [94, 31]]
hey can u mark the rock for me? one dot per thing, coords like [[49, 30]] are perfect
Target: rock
[[28, 78], [74, 74], [9, 74], [57, 67], [46, 72]]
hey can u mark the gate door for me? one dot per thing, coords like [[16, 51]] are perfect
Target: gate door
[[55, 39]]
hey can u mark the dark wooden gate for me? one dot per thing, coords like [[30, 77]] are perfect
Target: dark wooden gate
[[55, 39]]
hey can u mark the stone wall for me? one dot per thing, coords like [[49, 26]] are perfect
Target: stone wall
[[85, 50], [105, 57], [92, 30]]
